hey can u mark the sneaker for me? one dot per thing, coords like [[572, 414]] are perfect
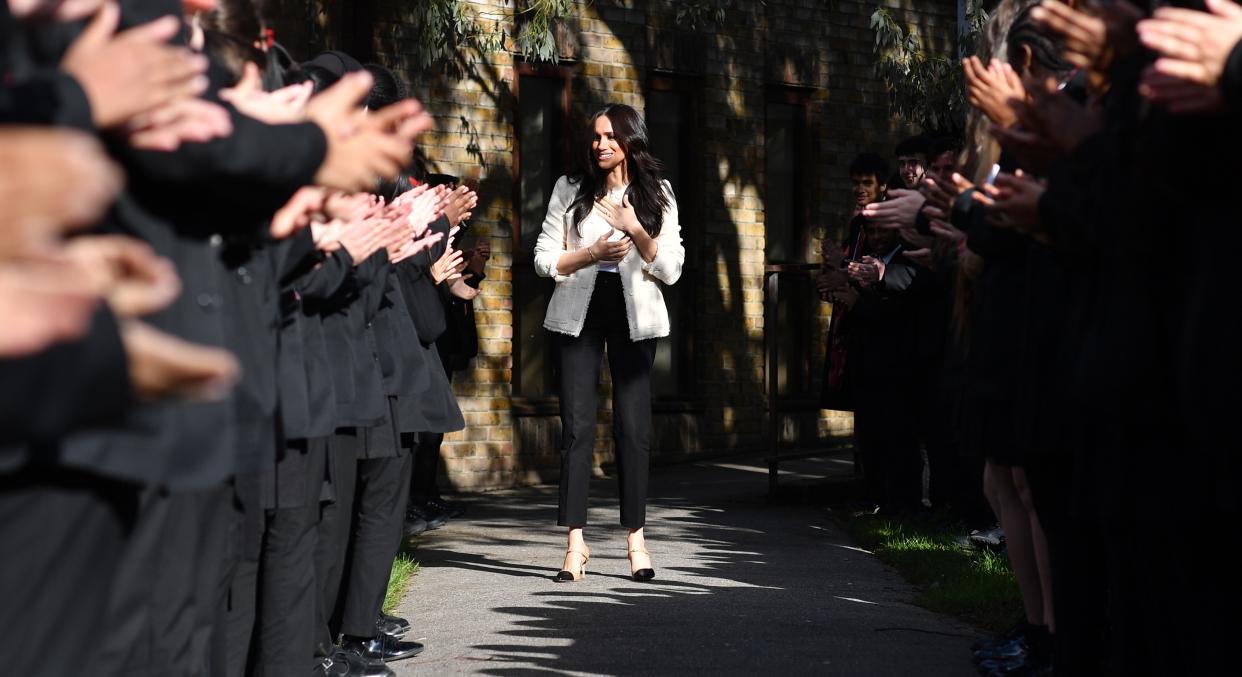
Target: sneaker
[[434, 518], [1014, 648], [988, 643], [1016, 666], [992, 538]]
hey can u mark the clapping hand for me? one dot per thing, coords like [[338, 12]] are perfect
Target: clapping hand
[[1194, 48], [868, 271], [994, 89], [126, 273], [899, 211], [283, 106], [1016, 203], [450, 264]]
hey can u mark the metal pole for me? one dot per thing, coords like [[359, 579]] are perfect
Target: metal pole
[[770, 315]]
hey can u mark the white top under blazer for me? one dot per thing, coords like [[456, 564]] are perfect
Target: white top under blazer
[[640, 280]]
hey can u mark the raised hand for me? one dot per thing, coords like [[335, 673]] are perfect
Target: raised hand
[[132, 72], [899, 211], [994, 89], [1092, 38], [126, 272], [449, 266], [283, 106], [620, 216], [868, 271], [38, 209], [1194, 48], [296, 214], [363, 148], [1017, 202], [1060, 120], [477, 259], [182, 121], [456, 204], [162, 366], [610, 252], [463, 291], [44, 299]]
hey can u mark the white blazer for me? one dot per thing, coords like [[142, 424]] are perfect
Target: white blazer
[[640, 280]]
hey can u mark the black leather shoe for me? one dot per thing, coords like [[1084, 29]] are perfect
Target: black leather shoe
[[382, 648], [453, 510], [392, 626], [434, 518], [414, 526], [344, 663]]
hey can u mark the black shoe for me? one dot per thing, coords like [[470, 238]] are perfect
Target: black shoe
[[383, 648], [414, 525], [392, 626], [453, 510], [344, 663], [434, 518]]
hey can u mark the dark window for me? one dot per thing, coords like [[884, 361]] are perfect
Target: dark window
[[788, 233], [670, 104], [782, 205], [541, 111]]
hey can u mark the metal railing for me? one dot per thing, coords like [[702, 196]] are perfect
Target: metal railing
[[772, 274]]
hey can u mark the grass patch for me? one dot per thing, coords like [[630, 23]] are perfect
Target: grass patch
[[403, 569], [976, 586]]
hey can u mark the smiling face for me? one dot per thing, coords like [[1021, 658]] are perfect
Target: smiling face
[[604, 147]]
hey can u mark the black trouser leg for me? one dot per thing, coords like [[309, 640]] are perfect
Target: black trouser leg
[[242, 598], [64, 534], [162, 617], [285, 638], [423, 478], [581, 359], [380, 501], [335, 520], [630, 364], [426, 465]]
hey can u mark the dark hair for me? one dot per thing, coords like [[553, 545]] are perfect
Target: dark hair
[[941, 145], [386, 89], [322, 77], [870, 163], [229, 33], [914, 145], [1045, 50], [646, 190]]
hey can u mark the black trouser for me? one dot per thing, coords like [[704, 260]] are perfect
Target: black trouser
[[64, 533], [332, 543], [630, 364], [272, 624], [171, 583], [423, 485], [379, 516], [889, 451]]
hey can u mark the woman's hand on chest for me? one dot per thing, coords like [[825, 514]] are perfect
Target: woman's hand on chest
[[621, 216]]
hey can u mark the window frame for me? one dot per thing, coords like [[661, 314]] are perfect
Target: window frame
[[523, 260]]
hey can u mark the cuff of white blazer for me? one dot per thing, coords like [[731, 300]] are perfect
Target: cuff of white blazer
[[662, 268], [545, 266]]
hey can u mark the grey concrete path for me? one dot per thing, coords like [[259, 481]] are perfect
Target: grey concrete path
[[742, 587]]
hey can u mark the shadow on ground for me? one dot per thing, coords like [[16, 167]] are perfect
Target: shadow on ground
[[743, 587]]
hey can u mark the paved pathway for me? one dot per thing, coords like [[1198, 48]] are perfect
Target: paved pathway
[[742, 587]]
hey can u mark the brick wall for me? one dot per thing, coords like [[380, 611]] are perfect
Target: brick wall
[[820, 51]]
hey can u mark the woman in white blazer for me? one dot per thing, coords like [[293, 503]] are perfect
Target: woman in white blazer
[[610, 240]]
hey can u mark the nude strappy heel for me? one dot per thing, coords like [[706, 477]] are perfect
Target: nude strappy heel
[[568, 576]]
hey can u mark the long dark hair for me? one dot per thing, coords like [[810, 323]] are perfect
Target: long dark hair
[[646, 189]]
